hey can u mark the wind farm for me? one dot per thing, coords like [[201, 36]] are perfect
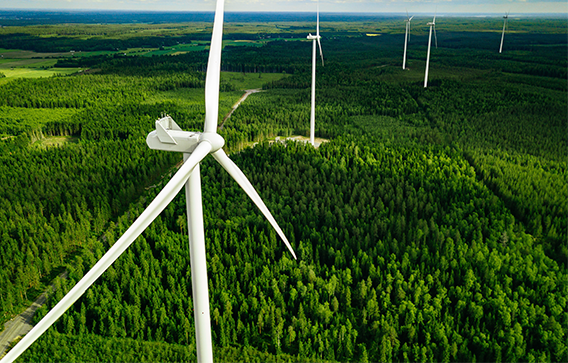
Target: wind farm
[[430, 225]]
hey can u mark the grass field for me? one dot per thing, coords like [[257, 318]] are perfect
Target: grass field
[[56, 141], [34, 72], [15, 63], [25, 54], [29, 63]]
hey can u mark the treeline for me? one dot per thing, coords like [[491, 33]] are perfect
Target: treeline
[[234, 59], [546, 55], [494, 114], [462, 284], [535, 190], [67, 44], [553, 66], [91, 90], [36, 123]]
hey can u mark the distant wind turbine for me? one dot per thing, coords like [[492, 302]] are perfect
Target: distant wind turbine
[[313, 110], [432, 24], [406, 38], [195, 146], [506, 17]]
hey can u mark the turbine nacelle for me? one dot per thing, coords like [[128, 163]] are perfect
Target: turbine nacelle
[[168, 136], [313, 37]]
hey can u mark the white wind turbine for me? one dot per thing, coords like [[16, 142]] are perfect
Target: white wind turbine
[[313, 110], [406, 38], [432, 24], [195, 146], [506, 17]]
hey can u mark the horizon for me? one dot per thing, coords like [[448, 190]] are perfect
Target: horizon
[[481, 7], [353, 13]]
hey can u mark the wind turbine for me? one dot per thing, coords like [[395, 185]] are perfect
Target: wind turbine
[[406, 38], [432, 24], [313, 110], [506, 17], [195, 146]]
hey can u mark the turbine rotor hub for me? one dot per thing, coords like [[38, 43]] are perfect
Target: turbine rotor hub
[[214, 139]]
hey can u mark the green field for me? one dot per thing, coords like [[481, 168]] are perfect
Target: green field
[[56, 141], [26, 72]]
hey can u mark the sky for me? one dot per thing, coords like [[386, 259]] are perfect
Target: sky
[[366, 6]]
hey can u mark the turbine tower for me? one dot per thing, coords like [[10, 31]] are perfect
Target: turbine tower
[[313, 110], [406, 38], [432, 24], [195, 146], [506, 17]]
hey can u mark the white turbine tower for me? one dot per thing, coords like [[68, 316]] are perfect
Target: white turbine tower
[[406, 38], [195, 146], [432, 24], [506, 17], [314, 39]]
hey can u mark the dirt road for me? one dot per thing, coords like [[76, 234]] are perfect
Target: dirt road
[[22, 324], [247, 93]]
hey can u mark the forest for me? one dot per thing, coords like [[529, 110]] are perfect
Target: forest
[[431, 227]]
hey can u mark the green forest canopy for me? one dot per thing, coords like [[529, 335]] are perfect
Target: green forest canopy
[[431, 227]]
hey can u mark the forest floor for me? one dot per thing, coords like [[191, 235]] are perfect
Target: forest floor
[[21, 324]]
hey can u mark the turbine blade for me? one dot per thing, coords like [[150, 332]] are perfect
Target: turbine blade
[[154, 209], [435, 37], [318, 21], [242, 180], [321, 53], [318, 32], [407, 17], [213, 76]]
